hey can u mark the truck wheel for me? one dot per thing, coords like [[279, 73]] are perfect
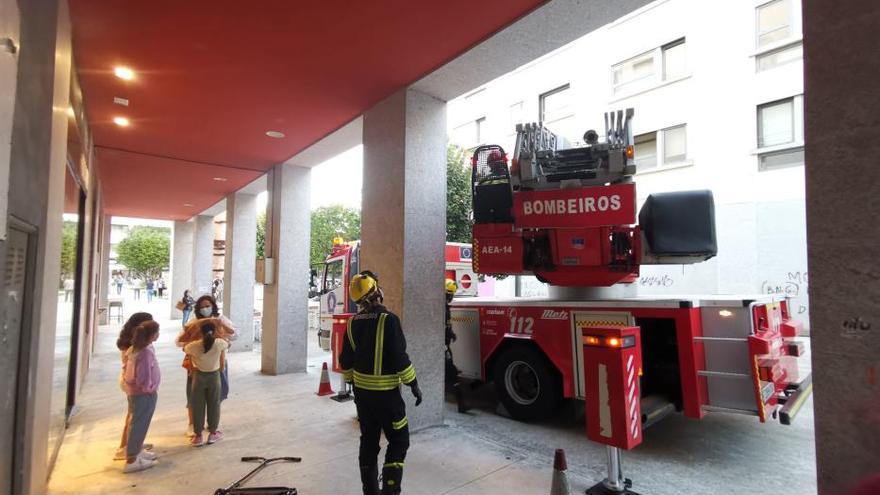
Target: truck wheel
[[526, 384]]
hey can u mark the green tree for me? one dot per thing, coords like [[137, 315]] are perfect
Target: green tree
[[261, 235], [458, 195], [68, 250], [145, 251], [326, 222]]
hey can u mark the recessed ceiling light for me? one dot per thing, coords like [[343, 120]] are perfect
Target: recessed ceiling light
[[120, 101], [124, 73], [187, 204], [121, 121], [220, 179], [275, 134]]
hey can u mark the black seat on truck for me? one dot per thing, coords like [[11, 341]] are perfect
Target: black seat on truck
[[680, 223]]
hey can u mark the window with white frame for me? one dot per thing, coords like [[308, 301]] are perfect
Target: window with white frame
[[781, 133], [469, 134], [556, 112], [664, 63], [515, 116], [781, 56], [658, 149], [555, 104], [777, 34], [774, 22]]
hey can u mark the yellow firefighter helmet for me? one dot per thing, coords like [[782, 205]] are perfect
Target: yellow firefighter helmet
[[362, 286], [451, 286]]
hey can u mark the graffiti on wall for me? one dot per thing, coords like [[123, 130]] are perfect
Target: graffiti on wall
[[793, 285], [656, 281]]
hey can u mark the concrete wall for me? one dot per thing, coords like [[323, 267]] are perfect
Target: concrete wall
[[9, 29], [203, 255], [404, 227], [103, 285], [285, 301], [241, 253], [37, 163], [843, 203], [181, 263]]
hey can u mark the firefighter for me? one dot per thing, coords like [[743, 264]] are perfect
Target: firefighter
[[374, 358], [497, 163], [451, 372]]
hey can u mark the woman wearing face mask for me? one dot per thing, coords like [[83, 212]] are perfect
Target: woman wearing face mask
[[206, 310]]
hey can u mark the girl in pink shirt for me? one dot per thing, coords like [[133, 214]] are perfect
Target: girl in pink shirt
[[141, 381], [123, 343]]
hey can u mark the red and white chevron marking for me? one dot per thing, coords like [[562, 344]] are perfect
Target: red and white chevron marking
[[632, 397]]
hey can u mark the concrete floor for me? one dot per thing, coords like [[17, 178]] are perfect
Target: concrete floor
[[475, 453]]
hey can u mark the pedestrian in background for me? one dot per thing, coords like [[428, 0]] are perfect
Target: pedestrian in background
[[186, 305], [208, 359], [141, 378], [123, 343], [150, 287], [68, 288]]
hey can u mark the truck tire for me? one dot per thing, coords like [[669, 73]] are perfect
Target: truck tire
[[526, 383]]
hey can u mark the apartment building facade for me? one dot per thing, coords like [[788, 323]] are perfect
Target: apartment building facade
[[717, 89]]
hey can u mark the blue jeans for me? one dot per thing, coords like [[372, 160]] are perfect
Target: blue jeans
[[141, 408], [149, 295], [186, 315]]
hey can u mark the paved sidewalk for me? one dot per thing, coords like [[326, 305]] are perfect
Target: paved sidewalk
[[475, 453]]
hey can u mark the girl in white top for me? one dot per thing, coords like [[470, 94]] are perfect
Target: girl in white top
[[208, 356]]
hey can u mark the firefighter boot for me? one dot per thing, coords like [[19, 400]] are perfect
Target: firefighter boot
[[370, 479], [391, 478]]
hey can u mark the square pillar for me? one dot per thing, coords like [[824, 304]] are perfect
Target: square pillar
[[285, 301], [403, 230], [202, 256], [181, 263], [104, 286], [843, 187], [241, 254]]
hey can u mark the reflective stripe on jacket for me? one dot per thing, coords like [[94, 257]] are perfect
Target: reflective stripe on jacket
[[374, 352]]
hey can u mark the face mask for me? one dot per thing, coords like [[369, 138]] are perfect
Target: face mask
[[206, 312]]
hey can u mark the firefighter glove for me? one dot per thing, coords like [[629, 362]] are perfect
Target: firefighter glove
[[416, 391]]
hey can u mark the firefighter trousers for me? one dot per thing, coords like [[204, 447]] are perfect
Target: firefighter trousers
[[380, 412]]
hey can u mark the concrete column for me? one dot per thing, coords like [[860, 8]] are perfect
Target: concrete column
[[202, 255], [181, 263], [285, 301], [241, 254], [843, 187], [403, 230], [104, 286]]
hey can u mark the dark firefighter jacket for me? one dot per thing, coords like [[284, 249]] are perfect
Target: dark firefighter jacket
[[374, 352]]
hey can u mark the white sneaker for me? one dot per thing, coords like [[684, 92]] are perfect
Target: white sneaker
[[122, 453], [150, 456], [139, 464]]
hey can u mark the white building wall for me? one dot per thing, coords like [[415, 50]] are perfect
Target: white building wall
[[759, 214]]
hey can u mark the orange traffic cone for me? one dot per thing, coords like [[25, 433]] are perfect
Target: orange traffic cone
[[559, 485], [324, 387]]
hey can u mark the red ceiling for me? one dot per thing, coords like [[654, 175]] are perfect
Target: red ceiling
[[213, 76]]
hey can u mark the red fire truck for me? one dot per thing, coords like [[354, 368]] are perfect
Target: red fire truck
[[568, 217], [344, 262]]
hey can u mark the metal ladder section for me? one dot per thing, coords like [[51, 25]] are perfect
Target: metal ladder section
[[728, 371]]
